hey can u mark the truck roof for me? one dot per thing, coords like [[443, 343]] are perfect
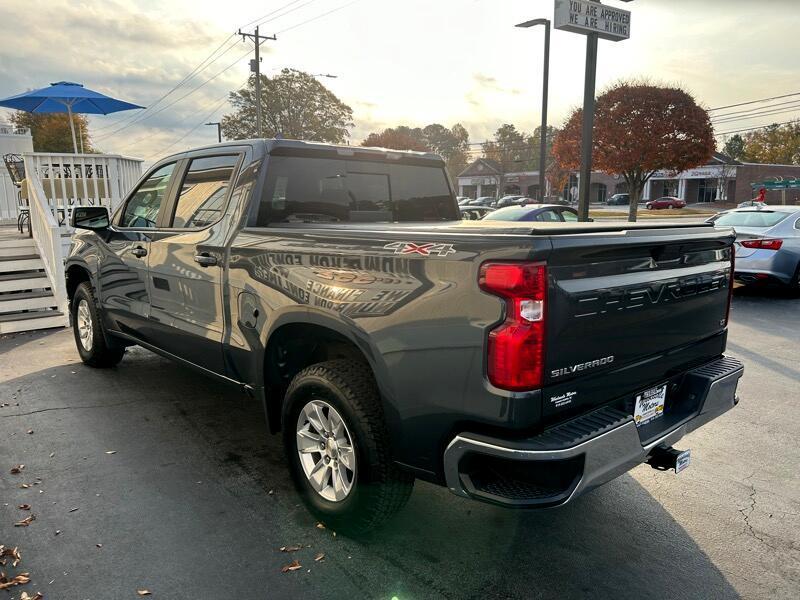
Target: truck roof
[[304, 148]]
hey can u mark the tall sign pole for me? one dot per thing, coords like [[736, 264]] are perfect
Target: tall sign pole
[[585, 182], [595, 21], [255, 67]]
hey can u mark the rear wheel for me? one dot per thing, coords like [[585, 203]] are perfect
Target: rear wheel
[[337, 445], [87, 327]]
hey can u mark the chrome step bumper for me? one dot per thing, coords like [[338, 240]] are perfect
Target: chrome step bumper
[[595, 448]]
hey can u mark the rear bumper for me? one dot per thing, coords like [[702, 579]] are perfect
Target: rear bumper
[[779, 267], [570, 459]]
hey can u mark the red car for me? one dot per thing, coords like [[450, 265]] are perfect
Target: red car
[[665, 202]]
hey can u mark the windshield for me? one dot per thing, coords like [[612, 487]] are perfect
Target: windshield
[[302, 189], [752, 218]]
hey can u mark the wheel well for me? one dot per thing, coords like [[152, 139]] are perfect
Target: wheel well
[[292, 348], [75, 276]]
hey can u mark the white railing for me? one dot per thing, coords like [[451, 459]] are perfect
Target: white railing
[[47, 235], [69, 180]]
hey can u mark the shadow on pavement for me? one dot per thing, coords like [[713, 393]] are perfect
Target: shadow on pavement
[[196, 480]]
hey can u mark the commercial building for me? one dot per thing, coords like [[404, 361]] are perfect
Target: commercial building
[[722, 180]]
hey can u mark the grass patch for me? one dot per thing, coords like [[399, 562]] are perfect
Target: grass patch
[[643, 213]]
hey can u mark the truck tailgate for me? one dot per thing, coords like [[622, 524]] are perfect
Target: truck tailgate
[[617, 299]]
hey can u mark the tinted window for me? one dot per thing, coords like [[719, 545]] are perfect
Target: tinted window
[[202, 195], [751, 218], [548, 216], [141, 211], [569, 216], [331, 190]]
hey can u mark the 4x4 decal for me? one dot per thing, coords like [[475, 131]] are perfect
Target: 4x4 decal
[[427, 249]]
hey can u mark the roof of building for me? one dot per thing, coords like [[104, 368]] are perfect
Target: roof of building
[[481, 166]]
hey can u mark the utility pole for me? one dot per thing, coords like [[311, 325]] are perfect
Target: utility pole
[[255, 67]]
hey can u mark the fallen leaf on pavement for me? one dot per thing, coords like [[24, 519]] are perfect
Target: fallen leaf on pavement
[[24, 507], [144, 592], [99, 545], [320, 526], [58, 531], [52, 454], [30, 431], [26, 521], [17, 470], [12, 552], [319, 557], [292, 566], [290, 548], [36, 596], [73, 509], [24, 486], [20, 579], [111, 451]]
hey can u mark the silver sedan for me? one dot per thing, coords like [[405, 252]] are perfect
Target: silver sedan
[[767, 243]]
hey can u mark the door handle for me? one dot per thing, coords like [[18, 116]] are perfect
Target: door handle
[[205, 260], [139, 251]]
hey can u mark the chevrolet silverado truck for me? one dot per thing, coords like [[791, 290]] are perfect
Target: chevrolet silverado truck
[[521, 364]]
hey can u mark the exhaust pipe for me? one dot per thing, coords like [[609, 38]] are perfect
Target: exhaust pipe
[[664, 459]]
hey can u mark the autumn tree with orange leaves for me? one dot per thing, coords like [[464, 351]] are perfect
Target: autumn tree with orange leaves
[[640, 129]]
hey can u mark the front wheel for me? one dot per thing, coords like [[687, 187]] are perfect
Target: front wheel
[[337, 445], [88, 329]]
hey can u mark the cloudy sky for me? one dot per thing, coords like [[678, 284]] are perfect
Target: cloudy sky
[[412, 62]]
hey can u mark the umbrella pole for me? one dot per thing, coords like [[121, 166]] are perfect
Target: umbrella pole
[[72, 129]]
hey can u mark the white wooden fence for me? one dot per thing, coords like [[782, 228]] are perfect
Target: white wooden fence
[[69, 180], [47, 236]]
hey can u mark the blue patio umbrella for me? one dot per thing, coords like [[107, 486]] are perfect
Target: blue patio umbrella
[[67, 97]]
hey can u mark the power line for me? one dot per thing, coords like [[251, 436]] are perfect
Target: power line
[[205, 63], [201, 66], [754, 101], [193, 129], [779, 111], [750, 110], [325, 14], [757, 128], [192, 91]]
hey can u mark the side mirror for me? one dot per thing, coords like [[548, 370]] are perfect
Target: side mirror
[[94, 218]]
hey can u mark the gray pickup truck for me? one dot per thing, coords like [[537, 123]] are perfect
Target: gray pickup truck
[[521, 364]]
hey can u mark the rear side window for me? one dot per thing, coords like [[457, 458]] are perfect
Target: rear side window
[[205, 186], [569, 216], [300, 189], [751, 218], [142, 208]]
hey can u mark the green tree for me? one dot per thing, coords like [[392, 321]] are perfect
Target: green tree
[[293, 104], [734, 147], [451, 144], [51, 131], [776, 144]]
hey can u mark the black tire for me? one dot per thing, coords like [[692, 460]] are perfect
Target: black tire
[[100, 355], [380, 489]]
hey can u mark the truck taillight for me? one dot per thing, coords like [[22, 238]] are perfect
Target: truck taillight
[[763, 244], [730, 287], [516, 346]]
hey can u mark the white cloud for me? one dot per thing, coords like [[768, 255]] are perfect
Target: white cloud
[[413, 62]]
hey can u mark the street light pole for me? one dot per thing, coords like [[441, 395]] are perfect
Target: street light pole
[[219, 130], [545, 91]]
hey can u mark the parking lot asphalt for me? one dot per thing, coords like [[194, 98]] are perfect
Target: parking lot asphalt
[[150, 477]]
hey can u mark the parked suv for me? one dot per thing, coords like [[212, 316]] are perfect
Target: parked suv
[[517, 363], [619, 200]]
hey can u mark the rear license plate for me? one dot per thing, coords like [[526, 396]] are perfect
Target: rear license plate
[[649, 405], [683, 460]]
